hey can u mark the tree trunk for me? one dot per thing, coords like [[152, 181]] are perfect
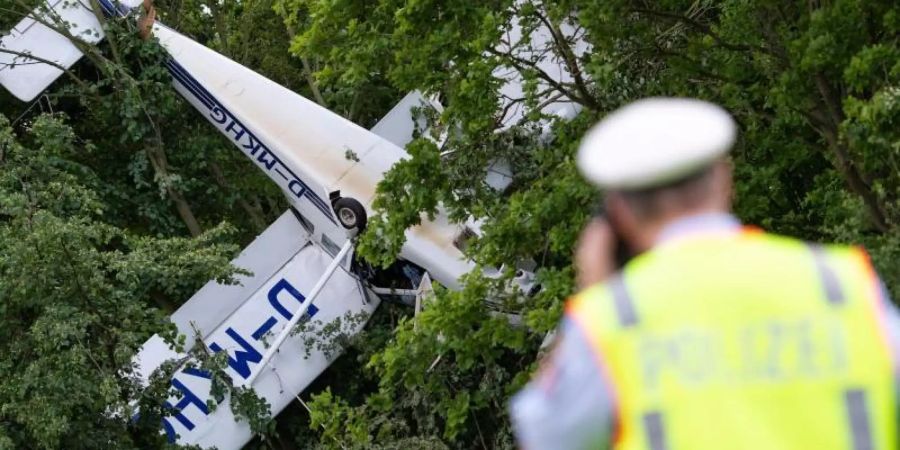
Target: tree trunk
[[858, 185], [158, 159], [833, 110], [184, 210], [311, 81]]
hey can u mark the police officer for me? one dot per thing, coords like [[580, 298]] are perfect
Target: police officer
[[716, 335]]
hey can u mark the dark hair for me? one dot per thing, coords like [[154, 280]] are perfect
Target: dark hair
[[684, 193]]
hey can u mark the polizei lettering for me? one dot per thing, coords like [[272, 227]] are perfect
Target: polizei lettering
[[774, 350]]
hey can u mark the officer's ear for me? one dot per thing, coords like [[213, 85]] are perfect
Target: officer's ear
[[723, 183]]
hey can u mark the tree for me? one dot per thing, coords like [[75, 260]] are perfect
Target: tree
[[76, 299], [98, 199], [812, 84], [156, 147]]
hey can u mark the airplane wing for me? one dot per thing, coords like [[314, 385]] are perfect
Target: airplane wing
[[33, 54], [242, 320]]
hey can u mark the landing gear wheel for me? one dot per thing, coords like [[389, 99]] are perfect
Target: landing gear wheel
[[351, 213]]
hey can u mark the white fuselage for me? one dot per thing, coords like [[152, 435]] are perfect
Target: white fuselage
[[302, 147]]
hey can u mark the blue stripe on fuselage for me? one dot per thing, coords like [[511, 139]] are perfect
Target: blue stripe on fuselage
[[204, 96], [174, 71], [107, 6], [112, 8]]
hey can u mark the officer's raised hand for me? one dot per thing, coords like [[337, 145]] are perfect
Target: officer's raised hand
[[595, 253]]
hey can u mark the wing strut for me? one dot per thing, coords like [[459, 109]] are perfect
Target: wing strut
[[270, 352]]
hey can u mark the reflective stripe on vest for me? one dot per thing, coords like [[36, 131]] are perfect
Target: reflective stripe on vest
[[746, 342], [622, 301], [827, 276], [858, 417], [656, 434]]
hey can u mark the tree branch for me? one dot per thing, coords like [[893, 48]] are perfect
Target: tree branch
[[81, 83], [701, 28], [311, 81], [95, 8], [158, 160], [569, 58], [845, 166], [522, 64], [157, 155]]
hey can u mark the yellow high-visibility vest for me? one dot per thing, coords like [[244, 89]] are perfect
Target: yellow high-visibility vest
[[744, 341]]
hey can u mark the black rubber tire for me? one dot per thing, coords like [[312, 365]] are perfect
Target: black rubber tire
[[351, 213]]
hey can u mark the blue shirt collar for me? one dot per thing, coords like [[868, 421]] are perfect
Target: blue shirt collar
[[698, 224]]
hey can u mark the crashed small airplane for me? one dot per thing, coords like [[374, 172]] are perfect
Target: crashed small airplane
[[301, 265]]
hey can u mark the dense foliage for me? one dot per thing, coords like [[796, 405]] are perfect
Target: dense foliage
[[813, 85], [101, 195]]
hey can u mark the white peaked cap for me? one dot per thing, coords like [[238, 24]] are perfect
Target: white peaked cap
[[654, 141]]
